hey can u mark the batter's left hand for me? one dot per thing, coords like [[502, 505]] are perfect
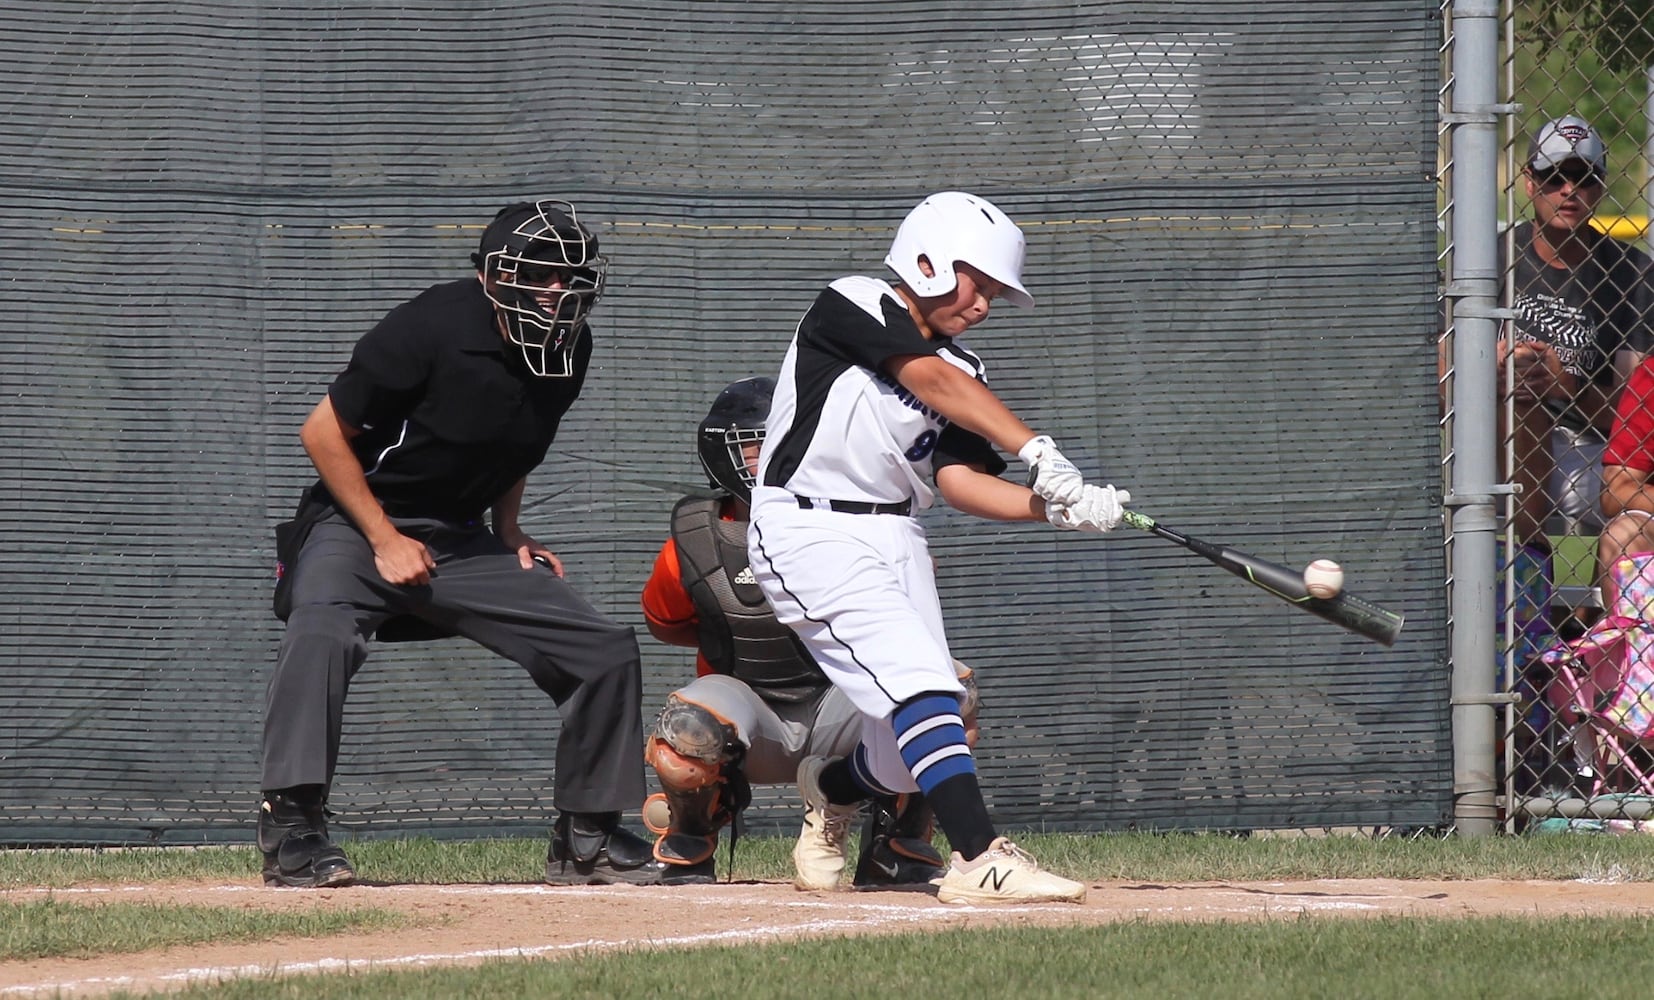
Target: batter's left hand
[[1051, 475]]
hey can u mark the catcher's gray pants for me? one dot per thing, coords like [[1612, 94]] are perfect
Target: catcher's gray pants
[[778, 736], [588, 663]]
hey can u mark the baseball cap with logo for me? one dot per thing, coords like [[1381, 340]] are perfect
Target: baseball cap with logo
[[1567, 138]]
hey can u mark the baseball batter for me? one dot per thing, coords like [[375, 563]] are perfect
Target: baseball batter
[[877, 400]]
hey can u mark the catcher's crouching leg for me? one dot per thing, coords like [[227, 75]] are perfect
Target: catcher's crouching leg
[[895, 844], [696, 757]]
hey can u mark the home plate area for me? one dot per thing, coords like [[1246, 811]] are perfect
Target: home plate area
[[460, 924]]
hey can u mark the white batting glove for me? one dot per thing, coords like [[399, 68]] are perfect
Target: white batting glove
[[1099, 510], [1051, 475], [1057, 514]]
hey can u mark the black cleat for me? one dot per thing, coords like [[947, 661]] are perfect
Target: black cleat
[[292, 834], [895, 846], [594, 849]]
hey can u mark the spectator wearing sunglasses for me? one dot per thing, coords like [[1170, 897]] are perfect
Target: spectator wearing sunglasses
[[1584, 316], [1581, 306]]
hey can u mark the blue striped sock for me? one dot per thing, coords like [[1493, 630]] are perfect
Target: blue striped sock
[[931, 736], [862, 774]]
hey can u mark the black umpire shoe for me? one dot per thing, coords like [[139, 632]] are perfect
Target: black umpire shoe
[[895, 846], [594, 849], [292, 834]]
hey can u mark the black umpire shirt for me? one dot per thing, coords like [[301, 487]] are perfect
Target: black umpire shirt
[[451, 417]]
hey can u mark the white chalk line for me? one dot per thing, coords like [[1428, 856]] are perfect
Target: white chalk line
[[207, 974], [873, 914]]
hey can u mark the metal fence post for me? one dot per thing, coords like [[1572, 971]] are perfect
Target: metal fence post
[[1474, 288]]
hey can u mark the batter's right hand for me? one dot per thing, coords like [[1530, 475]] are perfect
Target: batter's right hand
[[403, 561], [1099, 510], [1051, 475]]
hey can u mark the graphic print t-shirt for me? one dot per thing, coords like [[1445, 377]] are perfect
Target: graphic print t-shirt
[[1589, 313]]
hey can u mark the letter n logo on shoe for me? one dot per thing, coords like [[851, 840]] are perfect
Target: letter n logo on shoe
[[994, 875]]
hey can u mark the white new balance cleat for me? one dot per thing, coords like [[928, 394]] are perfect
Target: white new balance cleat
[[818, 857], [1004, 873]]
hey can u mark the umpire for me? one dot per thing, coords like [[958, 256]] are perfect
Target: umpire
[[445, 407]]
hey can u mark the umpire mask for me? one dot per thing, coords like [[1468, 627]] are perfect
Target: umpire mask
[[542, 270]]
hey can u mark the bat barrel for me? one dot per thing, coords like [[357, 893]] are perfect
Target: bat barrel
[[1359, 616], [1345, 610]]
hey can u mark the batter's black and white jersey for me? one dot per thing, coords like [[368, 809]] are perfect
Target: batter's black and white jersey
[[839, 427]]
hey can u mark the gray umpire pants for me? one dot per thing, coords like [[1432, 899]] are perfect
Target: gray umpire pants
[[586, 662]]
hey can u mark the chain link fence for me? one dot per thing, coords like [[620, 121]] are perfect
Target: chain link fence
[[1575, 316]]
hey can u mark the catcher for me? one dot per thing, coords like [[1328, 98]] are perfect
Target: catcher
[[759, 704]]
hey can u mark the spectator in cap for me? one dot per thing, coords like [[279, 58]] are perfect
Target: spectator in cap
[[1584, 310], [1582, 320]]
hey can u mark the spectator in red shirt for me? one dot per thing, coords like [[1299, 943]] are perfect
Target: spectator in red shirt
[[1628, 480]]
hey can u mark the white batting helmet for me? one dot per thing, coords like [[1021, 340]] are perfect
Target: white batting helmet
[[954, 226]]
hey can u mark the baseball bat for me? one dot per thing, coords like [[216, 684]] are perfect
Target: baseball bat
[[1364, 618]]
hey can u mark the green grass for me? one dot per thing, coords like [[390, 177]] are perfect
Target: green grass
[[1135, 856], [1307, 956], [52, 928], [414, 860], [1346, 958]]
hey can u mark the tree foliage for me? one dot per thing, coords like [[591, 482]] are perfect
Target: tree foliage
[[1619, 32]]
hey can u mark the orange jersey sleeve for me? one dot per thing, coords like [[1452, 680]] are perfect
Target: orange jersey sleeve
[[666, 605]]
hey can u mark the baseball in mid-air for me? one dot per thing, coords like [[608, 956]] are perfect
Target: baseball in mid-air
[[1323, 578]]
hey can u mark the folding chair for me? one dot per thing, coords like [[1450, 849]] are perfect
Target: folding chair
[[1603, 691]]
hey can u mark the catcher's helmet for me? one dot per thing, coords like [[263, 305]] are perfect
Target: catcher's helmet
[[542, 271], [736, 419], [954, 226]]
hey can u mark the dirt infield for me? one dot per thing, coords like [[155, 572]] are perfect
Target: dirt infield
[[457, 924]]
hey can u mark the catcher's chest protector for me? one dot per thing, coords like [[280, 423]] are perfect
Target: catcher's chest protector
[[739, 634]]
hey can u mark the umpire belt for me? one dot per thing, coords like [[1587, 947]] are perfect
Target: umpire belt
[[857, 506]]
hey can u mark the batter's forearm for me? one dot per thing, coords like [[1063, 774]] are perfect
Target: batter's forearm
[[964, 401], [976, 493]]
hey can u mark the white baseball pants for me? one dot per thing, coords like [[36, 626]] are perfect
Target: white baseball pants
[[860, 591]]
